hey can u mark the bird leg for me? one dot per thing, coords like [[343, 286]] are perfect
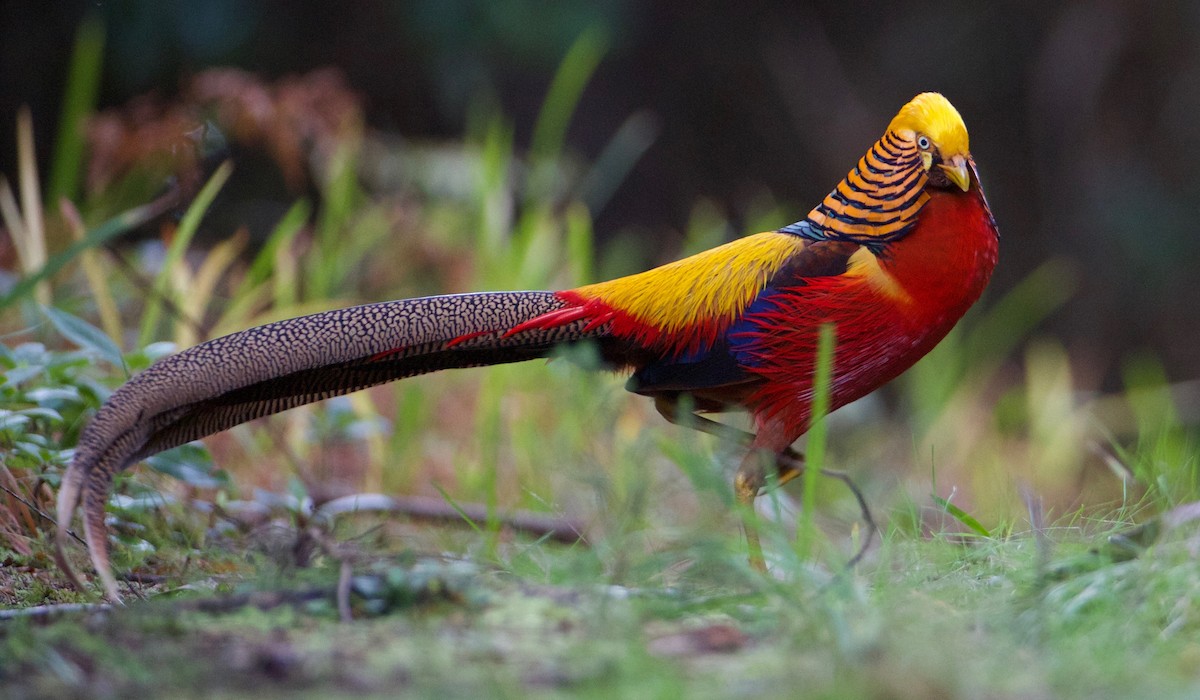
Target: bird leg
[[749, 479], [790, 464], [747, 482]]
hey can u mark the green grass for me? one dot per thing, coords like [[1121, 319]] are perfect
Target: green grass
[[929, 619], [1003, 487]]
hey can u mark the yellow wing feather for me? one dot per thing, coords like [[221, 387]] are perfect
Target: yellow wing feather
[[709, 288]]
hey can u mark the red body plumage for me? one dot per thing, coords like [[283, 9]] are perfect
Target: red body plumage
[[943, 266], [891, 290]]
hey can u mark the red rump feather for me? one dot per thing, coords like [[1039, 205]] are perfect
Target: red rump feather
[[621, 324]]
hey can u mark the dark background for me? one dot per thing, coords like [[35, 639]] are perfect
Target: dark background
[[1083, 115]]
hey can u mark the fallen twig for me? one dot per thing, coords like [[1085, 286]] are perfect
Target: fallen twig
[[42, 612], [557, 528]]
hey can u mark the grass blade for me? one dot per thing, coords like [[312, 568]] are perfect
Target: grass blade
[[281, 237], [10, 212], [617, 158], [961, 516], [94, 271], [458, 509], [579, 244], [31, 200], [563, 96], [1017, 313], [98, 236], [188, 226], [79, 100], [203, 286], [814, 457]]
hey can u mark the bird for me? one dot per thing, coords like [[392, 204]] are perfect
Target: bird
[[890, 260]]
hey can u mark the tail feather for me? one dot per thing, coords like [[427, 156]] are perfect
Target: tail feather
[[264, 370]]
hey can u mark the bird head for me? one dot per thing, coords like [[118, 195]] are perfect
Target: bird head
[[934, 126]]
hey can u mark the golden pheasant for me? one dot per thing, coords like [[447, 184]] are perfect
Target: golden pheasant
[[891, 258]]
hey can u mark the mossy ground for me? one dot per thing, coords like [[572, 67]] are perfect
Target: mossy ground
[[920, 619]]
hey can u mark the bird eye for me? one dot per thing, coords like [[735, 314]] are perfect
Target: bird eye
[[923, 142]]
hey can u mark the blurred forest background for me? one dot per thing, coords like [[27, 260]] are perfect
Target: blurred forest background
[[1082, 114]]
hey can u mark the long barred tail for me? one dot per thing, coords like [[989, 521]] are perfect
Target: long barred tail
[[264, 370]]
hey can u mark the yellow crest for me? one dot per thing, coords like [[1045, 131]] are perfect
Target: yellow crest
[[932, 115]]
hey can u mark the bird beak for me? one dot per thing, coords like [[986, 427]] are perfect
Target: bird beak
[[958, 171]]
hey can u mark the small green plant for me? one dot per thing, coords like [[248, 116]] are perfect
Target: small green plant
[[814, 460]]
